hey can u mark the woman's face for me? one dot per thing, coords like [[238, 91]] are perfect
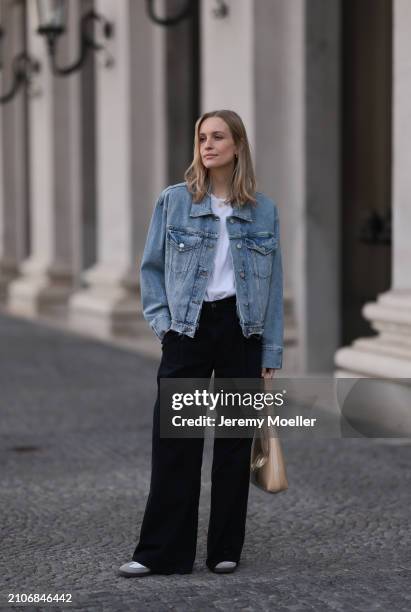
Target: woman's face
[[217, 147]]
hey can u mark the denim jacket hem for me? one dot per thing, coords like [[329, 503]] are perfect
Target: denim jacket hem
[[190, 330]]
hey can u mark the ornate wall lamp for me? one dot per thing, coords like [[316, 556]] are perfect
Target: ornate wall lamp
[[23, 69], [52, 24]]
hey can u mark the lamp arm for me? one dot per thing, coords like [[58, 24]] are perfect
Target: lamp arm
[[23, 67], [87, 43], [17, 82]]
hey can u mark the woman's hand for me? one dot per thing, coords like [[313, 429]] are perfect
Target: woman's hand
[[268, 372]]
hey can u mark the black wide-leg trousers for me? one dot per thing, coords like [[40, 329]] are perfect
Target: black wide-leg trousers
[[168, 536]]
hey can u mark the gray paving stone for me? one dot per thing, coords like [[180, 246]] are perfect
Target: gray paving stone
[[75, 466]]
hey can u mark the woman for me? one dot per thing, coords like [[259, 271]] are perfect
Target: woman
[[211, 287]]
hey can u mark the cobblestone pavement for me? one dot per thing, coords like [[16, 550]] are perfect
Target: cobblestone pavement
[[75, 459]]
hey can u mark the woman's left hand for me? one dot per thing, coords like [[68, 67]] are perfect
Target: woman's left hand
[[268, 372]]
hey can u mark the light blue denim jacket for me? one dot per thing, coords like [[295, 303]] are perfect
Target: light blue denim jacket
[[178, 260]]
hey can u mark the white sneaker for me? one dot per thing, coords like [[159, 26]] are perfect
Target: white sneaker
[[133, 568], [225, 567]]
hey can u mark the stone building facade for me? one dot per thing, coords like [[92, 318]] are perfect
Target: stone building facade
[[324, 88]]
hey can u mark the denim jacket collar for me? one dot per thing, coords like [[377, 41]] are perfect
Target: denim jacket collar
[[203, 207]]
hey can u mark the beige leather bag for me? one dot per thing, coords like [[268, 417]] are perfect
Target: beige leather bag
[[267, 460]]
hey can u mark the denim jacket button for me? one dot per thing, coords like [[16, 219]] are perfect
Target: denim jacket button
[[238, 245], [242, 275], [181, 245]]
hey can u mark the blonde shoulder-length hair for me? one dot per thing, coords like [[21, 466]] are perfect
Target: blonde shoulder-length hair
[[243, 184]]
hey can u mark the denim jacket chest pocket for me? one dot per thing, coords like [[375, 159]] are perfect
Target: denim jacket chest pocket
[[260, 254], [182, 250]]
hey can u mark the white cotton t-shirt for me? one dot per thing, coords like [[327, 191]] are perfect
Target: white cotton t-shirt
[[221, 283]]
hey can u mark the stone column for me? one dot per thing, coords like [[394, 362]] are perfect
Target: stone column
[[13, 166], [130, 158], [317, 255], [277, 64], [227, 61], [279, 155], [388, 354], [54, 176]]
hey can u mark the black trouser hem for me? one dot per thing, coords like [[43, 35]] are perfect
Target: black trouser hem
[[157, 569]]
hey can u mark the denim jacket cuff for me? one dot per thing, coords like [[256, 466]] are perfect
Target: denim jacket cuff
[[160, 325], [272, 356]]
